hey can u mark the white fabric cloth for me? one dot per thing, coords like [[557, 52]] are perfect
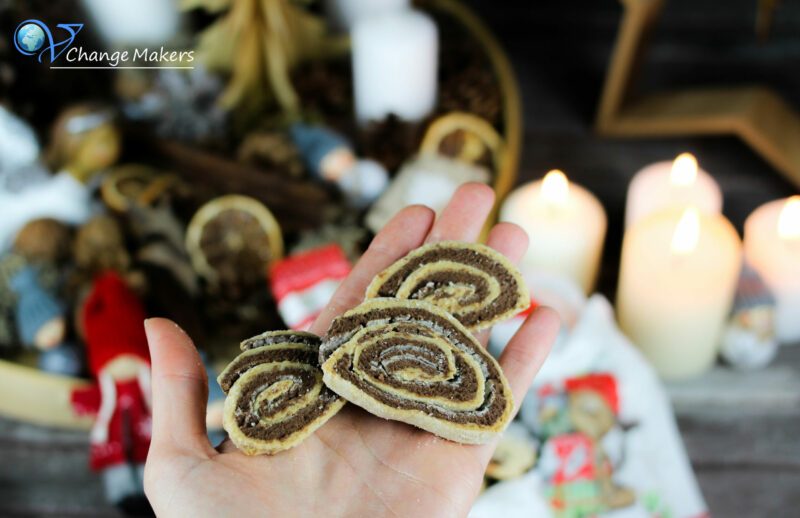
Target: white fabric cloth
[[645, 447], [18, 144], [60, 196]]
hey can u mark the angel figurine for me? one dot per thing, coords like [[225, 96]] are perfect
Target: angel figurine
[[84, 142]]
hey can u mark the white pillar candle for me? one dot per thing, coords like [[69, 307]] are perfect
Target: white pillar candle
[[395, 63], [141, 22], [677, 184], [772, 246], [566, 225], [343, 14], [678, 275]]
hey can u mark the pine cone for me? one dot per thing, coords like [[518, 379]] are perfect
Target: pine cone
[[473, 89], [271, 151]]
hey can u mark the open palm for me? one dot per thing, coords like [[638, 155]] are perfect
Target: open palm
[[356, 464]]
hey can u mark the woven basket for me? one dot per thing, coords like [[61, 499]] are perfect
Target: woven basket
[[33, 396]]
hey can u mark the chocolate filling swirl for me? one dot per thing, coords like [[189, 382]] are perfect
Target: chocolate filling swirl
[[474, 283], [277, 337], [275, 394], [410, 361]]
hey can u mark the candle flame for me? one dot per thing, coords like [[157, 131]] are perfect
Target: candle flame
[[789, 220], [555, 187], [684, 170], [687, 232]]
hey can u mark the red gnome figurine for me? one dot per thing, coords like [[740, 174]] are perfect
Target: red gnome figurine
[[118, 357]]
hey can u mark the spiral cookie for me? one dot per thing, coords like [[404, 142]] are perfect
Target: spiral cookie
[[277, 337], [514, 455], [276, 397], [410, 361], [474, 283]]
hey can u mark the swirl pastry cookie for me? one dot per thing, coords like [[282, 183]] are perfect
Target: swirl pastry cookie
[[410, 361], [278, 337], [275, 394], [515, 454], [474, 283]]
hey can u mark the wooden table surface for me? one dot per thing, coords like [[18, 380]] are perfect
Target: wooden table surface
[[740, 428], [740, 431]]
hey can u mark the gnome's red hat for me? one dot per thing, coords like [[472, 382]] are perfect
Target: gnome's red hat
[[602, 383], [113, 322]]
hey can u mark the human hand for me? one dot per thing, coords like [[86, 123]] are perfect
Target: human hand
[[356, 464]]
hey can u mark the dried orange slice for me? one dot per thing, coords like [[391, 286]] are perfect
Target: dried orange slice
[[131, 184], [232, 240], [477, 137]]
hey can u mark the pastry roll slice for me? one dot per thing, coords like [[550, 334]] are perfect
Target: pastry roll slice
[[410, 361], [283, 336], [275, 394], [474, 283]]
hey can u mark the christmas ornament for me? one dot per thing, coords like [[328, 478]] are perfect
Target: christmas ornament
[[302, 284], [83, 143], [330, 158], [119, 360], [749, 341]]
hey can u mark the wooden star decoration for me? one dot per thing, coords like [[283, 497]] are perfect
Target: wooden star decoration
[[756, 114]]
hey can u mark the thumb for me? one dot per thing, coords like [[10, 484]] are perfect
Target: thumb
[[180, 388]]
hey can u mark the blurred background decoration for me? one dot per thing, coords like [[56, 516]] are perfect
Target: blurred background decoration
[[756, 114], [230, 181], [258, 43]]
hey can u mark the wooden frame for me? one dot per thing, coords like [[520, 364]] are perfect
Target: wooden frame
[[755, 114]]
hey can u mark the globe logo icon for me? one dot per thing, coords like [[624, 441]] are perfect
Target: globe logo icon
[[30, 37]]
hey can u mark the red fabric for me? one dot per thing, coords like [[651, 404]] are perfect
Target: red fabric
[[128, 432], [604, 384], [85, 401], [530, 309], [575, 452], [113, 322]]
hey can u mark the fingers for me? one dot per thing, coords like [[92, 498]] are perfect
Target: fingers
[[463, 218], [227, 446], [523, 357], [180, 388], [527, 350], [405, 232], [510, 240]]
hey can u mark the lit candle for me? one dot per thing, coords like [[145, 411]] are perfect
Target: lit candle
[[772, 245], [678, 275], [395, 63], [566, 225], [677, 184], [344, 13]]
